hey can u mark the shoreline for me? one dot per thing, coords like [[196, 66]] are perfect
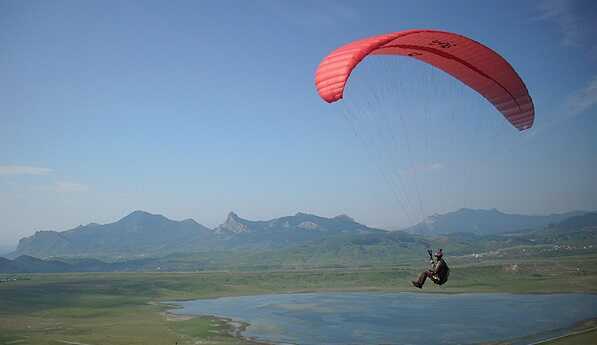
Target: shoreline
[[234, 328]]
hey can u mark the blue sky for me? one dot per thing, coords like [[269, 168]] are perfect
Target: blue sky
[[192, 109]]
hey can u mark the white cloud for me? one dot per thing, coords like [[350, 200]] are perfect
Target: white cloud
[[23, 170], [576, 20], [69, 187], [562, 14], [578, 102], [584, 99], [63, 187], [58, 187], [422, 168]]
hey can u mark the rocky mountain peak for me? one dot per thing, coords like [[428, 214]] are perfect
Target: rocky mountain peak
[[232, 215], [233, 224]]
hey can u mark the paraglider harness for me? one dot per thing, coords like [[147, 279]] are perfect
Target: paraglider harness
[[437, 279]]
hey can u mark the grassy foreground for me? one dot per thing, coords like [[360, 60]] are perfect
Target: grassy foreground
[[122, 308]]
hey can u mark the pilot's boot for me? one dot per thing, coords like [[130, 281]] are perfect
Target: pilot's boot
[[421, 281]]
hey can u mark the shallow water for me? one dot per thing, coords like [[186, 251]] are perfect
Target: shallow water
[[398, 318]]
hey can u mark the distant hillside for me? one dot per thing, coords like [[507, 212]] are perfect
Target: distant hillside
[[143, 234], [574, 231], [351, 250], [574, 235], [485, 222], [28, 264], [586, 221], [139, 232]]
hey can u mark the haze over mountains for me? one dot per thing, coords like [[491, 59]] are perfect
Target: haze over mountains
[[4, 249], [485, 222], [141, 234], [240, 244]]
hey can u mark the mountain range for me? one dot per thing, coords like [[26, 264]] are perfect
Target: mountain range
[[573, 236], [144, 234], [141, 234]]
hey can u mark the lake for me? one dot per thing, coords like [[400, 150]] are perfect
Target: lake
[[398, 318]]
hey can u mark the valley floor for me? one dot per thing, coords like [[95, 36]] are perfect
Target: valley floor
[[124, 308]]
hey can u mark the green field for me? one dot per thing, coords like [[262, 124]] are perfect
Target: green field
[[122, 308]]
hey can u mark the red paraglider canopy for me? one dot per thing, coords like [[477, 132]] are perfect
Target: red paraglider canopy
[[469, 61]]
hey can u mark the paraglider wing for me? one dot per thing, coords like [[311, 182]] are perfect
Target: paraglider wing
[[469, 61]]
